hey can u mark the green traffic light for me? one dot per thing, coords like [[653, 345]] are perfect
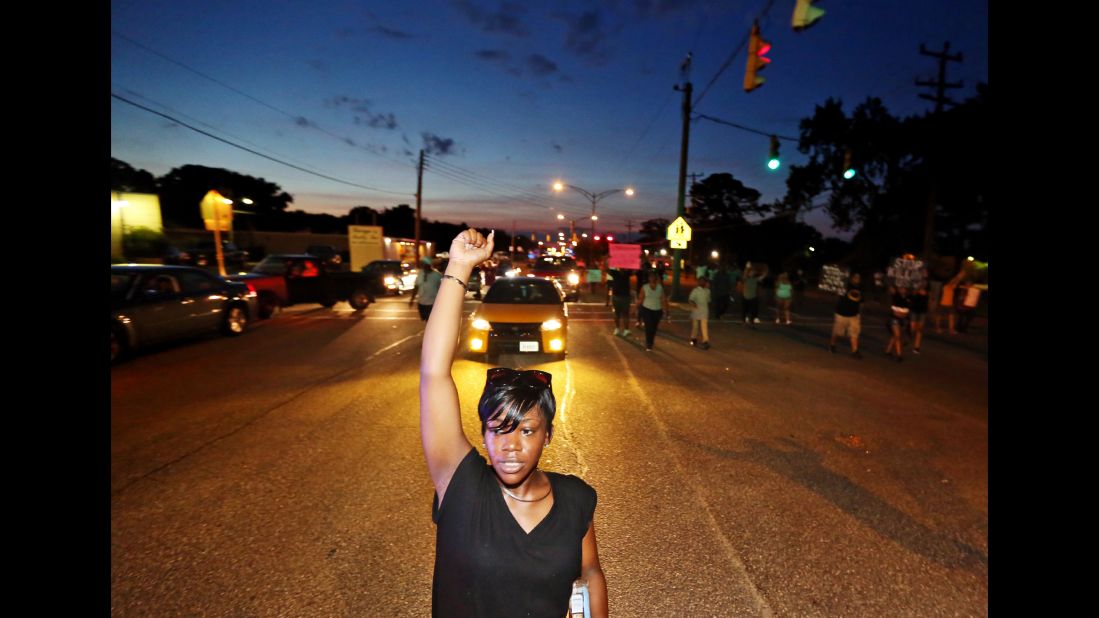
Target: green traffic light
[[773, 164], [849, 174]]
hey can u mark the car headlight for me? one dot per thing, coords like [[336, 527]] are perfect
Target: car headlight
[[481, 324], [390, 280], [574, 279], [551, 325], [512, 273]]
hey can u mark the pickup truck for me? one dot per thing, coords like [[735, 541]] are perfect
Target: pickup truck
[[281, 280]]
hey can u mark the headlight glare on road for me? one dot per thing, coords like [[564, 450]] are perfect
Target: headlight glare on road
[[481, 324], [551, 325], [574, 279]]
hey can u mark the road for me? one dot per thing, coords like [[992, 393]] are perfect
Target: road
[[280, 473]]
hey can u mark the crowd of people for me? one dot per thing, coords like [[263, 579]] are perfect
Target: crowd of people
[[719, 287]]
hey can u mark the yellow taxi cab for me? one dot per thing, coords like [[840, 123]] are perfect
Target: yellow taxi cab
[[520, 314]]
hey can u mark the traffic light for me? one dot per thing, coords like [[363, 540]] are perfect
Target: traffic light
[[805, 14], [772, 159], [848, 171], [757, 47]]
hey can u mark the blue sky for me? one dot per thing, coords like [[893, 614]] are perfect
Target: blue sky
[[507, 96]]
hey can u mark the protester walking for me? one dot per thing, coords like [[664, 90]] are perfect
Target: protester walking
[[919, 315], [846, 321], [700, 313], [899, 311], [752, 278], [784, 293], [426, 287], [720, 289], [621, 297], [652, 305]]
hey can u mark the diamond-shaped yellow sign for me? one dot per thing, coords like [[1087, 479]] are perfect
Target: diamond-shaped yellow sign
[[679, 230]]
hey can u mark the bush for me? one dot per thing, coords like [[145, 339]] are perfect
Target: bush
[[145, 242]]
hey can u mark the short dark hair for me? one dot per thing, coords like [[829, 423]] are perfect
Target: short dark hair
[[511, 401]]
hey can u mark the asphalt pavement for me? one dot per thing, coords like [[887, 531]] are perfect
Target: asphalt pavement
[[280, 473]]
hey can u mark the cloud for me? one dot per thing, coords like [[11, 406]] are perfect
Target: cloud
[[508, 19], [363, 113], [586, 36], [434, 144], [493, 55], [391, 33], [540, 65]]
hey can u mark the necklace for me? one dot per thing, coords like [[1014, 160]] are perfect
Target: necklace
[[514, 497]]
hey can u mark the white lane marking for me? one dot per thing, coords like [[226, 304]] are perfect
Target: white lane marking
[[566, 404], [761, 602]]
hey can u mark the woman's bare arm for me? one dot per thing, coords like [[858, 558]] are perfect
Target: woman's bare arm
[[440, 414], [592, 573]]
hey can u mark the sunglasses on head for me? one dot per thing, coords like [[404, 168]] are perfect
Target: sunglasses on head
[[498, 376]]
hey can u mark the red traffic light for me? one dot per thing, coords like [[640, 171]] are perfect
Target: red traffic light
[[757, 47]]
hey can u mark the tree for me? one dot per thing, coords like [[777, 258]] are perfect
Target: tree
[[654, 230], [722, 201], [719, 207], [895, 160], [127, 179], [182, 189]]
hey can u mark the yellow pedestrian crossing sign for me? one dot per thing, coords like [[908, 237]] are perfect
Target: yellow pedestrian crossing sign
[[679, 233]]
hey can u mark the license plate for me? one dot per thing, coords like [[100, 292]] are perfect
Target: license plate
[[528, 346]]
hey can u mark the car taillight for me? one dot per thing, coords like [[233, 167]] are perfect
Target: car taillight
[[251, 289]]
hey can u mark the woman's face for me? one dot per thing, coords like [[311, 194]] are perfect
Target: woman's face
[[514, 455]]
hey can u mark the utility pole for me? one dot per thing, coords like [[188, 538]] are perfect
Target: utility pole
[[629, 230], [687, 88], [511, 246], [419, 200], [940, 98]]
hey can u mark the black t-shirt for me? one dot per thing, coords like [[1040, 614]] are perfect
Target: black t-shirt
[[620, 286], [848, 306], [486, 565]]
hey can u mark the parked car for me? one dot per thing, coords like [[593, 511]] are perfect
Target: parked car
[[153, 303], [289, 279], [331, 255], [397, 276], [562, 270], [520, 314], [204, 254]]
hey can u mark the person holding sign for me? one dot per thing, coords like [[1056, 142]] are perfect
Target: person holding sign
[[511, 539]]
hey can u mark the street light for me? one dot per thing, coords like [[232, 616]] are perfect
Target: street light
[[559, 186]]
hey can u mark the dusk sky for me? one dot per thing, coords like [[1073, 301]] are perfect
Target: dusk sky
[[506, 97]]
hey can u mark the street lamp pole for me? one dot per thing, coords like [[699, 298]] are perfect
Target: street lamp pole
[[594, 197]]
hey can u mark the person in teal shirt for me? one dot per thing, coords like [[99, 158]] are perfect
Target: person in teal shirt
[[784, 294], [752, 278]]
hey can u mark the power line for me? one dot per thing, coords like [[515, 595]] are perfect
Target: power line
[[744, 128], [295, 117], [736, 51], [257, 153], [478, 177]]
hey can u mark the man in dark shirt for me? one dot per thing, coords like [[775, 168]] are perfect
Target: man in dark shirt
[[846, 320], [721, 286], [621, 298]]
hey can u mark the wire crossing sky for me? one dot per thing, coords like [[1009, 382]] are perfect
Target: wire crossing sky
[[334, 100]]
